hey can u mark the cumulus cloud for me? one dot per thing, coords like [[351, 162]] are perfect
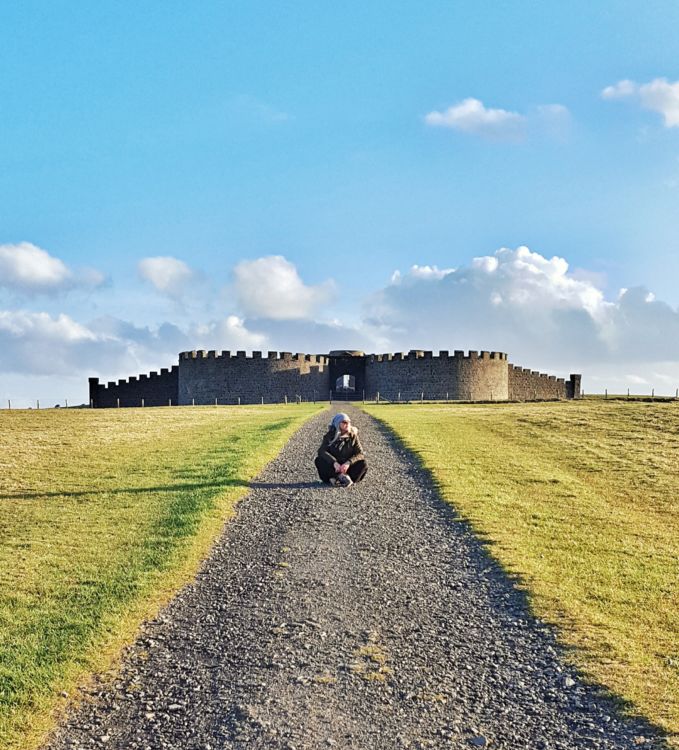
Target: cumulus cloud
[[546, 315], [42, 344], [271, 287], [531, 306], [27, 268], [170, 276], [658, 95], [420, 272], [472, 116], [228, 333]]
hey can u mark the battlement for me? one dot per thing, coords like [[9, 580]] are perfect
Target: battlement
[[134, 380], [202, 354], [241, 377], [443, 354], [148, 389], [532, 385]]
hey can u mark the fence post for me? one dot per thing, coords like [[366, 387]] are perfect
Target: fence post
[[447, 396], [239, 401], [142, 403], [262, 400], [9, 404], [91, 403], [330, 396], [286, 399], [66, 402], [652, 393], [378, 397], [422, 397], [605, 392], [117, 403], [364, 395], [216, 401], [169, 402], [193, 401], [628, 394], [399, 397]]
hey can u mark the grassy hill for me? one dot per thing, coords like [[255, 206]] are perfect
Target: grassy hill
[[103, 515], [580, 501]]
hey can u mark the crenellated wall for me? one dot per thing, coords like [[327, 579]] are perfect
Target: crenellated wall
[[206, 376], [468, 377], [211, 377], [154, 389], [530, 385]]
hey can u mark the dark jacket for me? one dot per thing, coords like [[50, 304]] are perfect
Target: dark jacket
[[342, 450]]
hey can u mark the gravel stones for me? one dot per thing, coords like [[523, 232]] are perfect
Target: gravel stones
[[366, 617]]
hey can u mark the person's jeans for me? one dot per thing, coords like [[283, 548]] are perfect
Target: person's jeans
[[326, 471]]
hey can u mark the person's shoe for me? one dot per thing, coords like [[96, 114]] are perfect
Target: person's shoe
[[345, 480], [334, 482]]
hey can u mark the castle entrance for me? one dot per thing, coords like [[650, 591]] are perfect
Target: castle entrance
[[347, 374], [345, 384]]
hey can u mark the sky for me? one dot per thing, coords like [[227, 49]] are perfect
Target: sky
[[311, 176]]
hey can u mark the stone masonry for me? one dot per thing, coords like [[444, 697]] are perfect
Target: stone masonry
[[211, 377]]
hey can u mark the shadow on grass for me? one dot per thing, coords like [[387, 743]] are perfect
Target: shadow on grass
[[510, 593], [179, 487]]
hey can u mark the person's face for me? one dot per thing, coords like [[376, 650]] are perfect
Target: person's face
[[344, 426]]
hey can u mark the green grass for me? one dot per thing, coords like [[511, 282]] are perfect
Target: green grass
[[579, 501], [103, 515]]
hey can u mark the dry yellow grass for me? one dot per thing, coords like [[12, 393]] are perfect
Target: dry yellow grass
[[581, 502]]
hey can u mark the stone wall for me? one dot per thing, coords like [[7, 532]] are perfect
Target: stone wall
[[154, 389], [530, 385], [208, 377], [419, 374]]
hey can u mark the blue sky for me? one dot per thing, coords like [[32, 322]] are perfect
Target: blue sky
[[339, 143]]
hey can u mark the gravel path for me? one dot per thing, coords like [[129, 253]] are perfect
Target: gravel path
[[350, 618]]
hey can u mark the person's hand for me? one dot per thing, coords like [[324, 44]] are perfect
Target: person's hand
[[344, 468], [337, 467]]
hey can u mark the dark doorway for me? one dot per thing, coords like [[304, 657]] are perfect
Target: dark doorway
[[345, 384], [347, 374]]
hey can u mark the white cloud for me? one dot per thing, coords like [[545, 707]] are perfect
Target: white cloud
[[229, 333], [420, 273], [39, 343], [472, 116], [271, 287], [620, 90], [532, 307], [659, 95], [170, 276], [27, 268], [544, 314]]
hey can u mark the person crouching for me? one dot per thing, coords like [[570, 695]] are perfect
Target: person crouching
[[340, 460]]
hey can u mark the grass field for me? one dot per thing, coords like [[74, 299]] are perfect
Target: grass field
[[581, 502], [103, 514]]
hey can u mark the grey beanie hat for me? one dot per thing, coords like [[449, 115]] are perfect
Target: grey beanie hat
[[340, 417]]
